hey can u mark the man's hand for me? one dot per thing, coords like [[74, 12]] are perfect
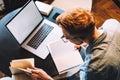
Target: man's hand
[[38, 74], [81, 45]]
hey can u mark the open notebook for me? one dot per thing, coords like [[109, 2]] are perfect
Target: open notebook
[[18, 68], [64, 55]]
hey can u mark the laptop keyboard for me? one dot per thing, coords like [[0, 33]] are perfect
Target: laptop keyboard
[[40, 36]]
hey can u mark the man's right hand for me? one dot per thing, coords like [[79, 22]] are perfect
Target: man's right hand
[[38, 74]]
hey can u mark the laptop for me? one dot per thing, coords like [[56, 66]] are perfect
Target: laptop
[[32, 31]]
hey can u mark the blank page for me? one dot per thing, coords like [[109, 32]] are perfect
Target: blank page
[[64, 55]]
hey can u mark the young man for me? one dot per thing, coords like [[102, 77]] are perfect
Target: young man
[[103, 52]]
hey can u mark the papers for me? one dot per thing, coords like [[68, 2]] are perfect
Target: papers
[[64, 54], [18, 68], [44, 8]]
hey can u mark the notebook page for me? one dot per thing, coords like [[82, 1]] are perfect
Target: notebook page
[[64, 55]]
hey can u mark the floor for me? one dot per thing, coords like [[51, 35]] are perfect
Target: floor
[[2, 75], [102, 9], [105, 9]]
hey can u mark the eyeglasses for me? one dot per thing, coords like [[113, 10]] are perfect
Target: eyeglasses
[[64, 39]]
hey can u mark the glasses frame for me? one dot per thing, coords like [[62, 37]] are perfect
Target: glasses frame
[[64, 39]]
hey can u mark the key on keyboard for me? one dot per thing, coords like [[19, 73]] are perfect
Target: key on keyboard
[[40, 36]]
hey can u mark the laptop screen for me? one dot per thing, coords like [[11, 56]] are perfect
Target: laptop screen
[[25, 21]]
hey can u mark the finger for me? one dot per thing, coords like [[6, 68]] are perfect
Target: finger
[[84, 44], [77, 46], [37, 77]]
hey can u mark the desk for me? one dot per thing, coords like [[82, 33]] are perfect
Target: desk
[[10, 49]]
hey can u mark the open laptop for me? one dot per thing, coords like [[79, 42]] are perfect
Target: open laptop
[[29, 26]]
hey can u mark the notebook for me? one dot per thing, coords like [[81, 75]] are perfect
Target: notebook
[[64, 55], [32, 30]]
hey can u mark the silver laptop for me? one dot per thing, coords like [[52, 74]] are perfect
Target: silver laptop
[[32, 31]]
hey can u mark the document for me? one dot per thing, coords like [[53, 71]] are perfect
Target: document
[[64, 55], [18, 68]]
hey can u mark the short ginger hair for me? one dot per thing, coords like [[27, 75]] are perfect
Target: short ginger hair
[[77, 21]]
